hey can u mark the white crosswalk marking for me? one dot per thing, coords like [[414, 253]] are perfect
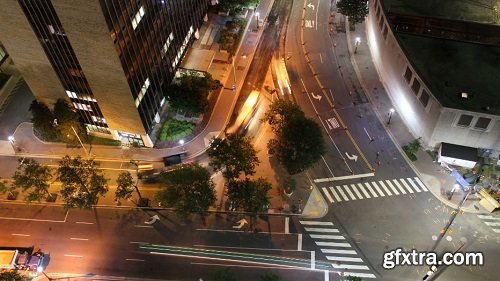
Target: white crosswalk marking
[[491, 221], [336, 248], [363, 190], [325, 191], [378, 189], [353, 187], [407, 186], [335, 193], [399, 186], [413, 184], [344, 196], [488, 217], [350, 193], [371, 189], [422, 185], [381, 183], [392, 187]]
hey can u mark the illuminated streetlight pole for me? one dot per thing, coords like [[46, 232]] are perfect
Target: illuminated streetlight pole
[[356, 44], [81, 143], [12, 141], [181, 142], [257, 14], [391, 111]]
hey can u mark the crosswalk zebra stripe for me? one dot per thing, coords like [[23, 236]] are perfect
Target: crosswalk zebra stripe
[[350, 266], [327, 194], [371, 190], [394, 190], [496, 230], [334, 258], [335, 194], [413, 184], [356, 191], [487, 217], [316, 223], [344, 196], [360, 275], [350, 193], [317, 229], [333, 244], [326, 236], [335, 251], [399, 186], [364, 191], [492, 223], [378, 189], [422, 185], [381, 183], [407, 186]]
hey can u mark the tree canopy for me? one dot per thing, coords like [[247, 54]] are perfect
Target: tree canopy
[[82, 182], [237, 5], [299, 142], [234, 154], [190, 93], [249, 195], [13, 275], [189, 189], [124, 186], [270, 277], [43, 119], [33, 178], [355, 10]]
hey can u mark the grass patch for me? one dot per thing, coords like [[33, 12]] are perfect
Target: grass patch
[[104, 141], [174, 129], [3, 79]]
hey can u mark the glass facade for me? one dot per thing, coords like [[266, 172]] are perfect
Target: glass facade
[[150, 38], [50, 32]]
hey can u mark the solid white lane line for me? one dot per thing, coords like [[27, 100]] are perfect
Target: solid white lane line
[[79, 239], [74, 256], [371, 189], [299, 242], [356, 191], [137, 242], [399, 186], [144, 226], [364, 190], [378, 189], [385, 188], [316, 222], [350, 266], [134, 260], [19, 234], [496, 230], [360, 275], [327, 194], [492, 223], [326, 236], [349, 259], [422, 185], [335, 251], [335, 194], [488, 217], [392, 187], [344, 196], [407, 186], [413, 184], [349, 192], [83, 222], [326, 230], [333, 244]]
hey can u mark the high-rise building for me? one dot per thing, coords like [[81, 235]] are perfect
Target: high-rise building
[[111, 58]]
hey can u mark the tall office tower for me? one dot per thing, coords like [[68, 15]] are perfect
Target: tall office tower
[[112, 59]]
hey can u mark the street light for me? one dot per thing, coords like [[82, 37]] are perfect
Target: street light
[[81, 143], [356, 44], [391, 111], [257, 14], [12, 141], [181, 142]]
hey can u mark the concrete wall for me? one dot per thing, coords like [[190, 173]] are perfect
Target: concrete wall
[[27, 54]]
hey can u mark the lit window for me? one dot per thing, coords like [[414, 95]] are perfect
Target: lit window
[[138, 17], [482, 123], [71, 94], [167, 44], [141, 94], [82, 106], [162, 101], [98, 119]]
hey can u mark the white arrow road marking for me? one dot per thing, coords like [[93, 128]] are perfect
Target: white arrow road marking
[[352, 157], [153, 219], [310, 5], [316, 223], [318, 97]]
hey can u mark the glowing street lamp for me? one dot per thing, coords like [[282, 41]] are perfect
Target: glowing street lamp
[[356, 44], [391, 111], [257, 14]]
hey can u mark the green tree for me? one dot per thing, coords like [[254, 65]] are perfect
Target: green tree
[[68, 122], [353, 278], [224, 274], [124, 186], [12, 275], [280, 112], [5, 187], [249, 195], [355, 10], [188, 189], [190, 93], [270, 277], [82, 182], [412, 148], [234, 154], [43, 119], [34, 178]]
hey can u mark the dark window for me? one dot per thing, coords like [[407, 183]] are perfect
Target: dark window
[[482, 123], [464, 120], [385, 31], [408, 74], [424, 98], [415, 86]]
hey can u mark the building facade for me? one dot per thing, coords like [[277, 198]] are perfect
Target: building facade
[[439, 97], [112, 59]]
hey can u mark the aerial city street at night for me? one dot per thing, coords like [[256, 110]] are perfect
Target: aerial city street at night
[[235, 140]]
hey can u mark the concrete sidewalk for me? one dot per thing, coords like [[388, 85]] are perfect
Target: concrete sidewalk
[[435, 177]]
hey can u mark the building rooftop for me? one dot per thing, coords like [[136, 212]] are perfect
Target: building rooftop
[[452, 56]]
